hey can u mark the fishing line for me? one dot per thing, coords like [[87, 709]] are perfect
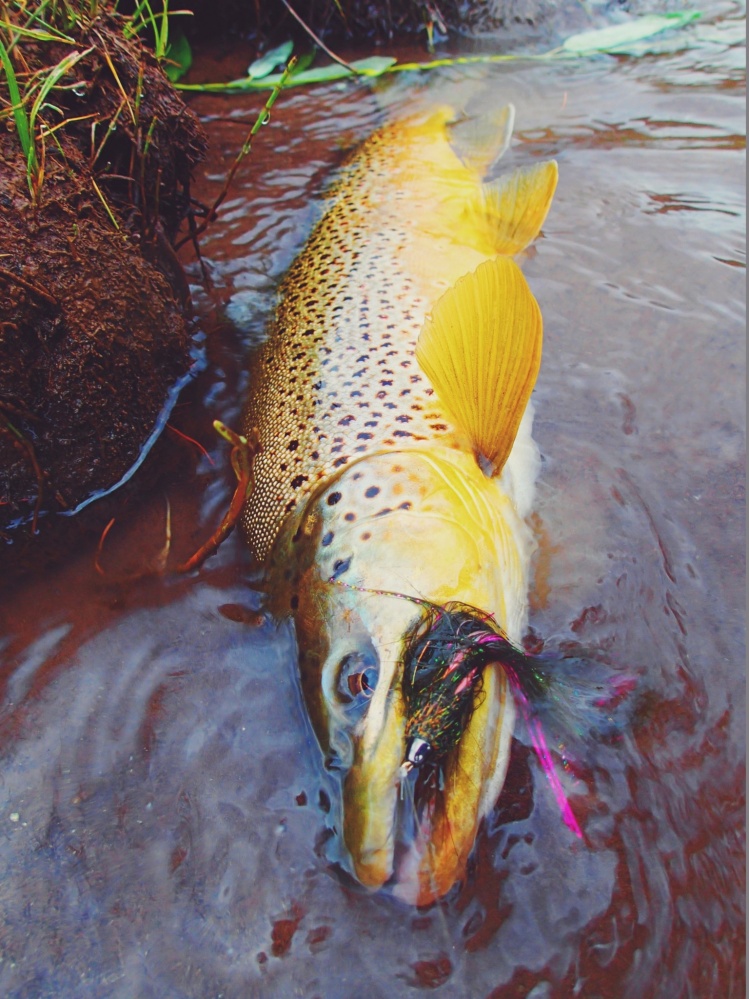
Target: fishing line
[[383, 593]]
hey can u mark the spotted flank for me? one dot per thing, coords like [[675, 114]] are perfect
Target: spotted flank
[[397, 466], [338, 378]]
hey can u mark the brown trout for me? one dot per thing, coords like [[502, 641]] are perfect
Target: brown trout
[[395, 474]]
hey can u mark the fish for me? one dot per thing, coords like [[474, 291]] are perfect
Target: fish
[[395, 476]]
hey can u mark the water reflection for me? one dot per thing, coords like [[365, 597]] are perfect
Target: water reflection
[[166, 824]]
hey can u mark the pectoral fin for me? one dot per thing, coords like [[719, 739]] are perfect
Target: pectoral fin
[[507, 214], [481, 350]]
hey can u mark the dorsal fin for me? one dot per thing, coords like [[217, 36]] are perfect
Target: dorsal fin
[[480, 142], [508, 213], [481, 350]]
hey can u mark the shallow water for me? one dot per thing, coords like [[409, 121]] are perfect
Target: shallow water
[[164, 816]]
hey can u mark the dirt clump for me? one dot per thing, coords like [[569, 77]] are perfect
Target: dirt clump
[[93, 304]]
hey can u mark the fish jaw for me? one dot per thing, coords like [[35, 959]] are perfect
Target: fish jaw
[[420, 861], [473, 775], [370, 801], [415, 847]]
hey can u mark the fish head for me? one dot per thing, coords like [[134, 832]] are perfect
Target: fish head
[[368, 580]]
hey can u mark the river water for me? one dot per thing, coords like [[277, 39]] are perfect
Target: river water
[[166, 826]]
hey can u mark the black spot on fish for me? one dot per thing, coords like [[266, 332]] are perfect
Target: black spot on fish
[[292, 446], [405, 506], [350, 517], [294, 602], [297, 481], [372, 491], [340, 566], [327, 539], [333, 498]]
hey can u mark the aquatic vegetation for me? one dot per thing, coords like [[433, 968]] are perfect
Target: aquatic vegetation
[[615, 40]]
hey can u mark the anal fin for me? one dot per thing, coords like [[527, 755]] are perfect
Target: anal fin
[[481, 350]]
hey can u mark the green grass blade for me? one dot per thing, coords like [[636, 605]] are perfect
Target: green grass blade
[[51, 80], [618, 35], [272, 59], [19, 114], [38, 34], [178, 57]]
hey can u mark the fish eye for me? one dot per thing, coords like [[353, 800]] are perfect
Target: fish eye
[[358, 674]]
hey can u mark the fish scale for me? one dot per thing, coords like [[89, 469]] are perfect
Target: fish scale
[[337, 378]]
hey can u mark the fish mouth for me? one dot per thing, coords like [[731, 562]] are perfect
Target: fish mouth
[[411, 831]]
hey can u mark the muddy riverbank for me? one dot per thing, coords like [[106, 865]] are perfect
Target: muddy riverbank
[[94, 185]]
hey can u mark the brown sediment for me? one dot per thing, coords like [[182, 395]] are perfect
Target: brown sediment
[[93, 304]]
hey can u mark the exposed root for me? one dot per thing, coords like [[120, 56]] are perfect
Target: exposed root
[[100, 546], [29, 286], [242, 459], [243, 454], [25, 445]]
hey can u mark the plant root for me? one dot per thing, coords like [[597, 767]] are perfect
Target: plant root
[[243, 454]]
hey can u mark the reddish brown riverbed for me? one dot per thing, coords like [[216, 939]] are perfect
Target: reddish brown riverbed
[[165, 821]]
